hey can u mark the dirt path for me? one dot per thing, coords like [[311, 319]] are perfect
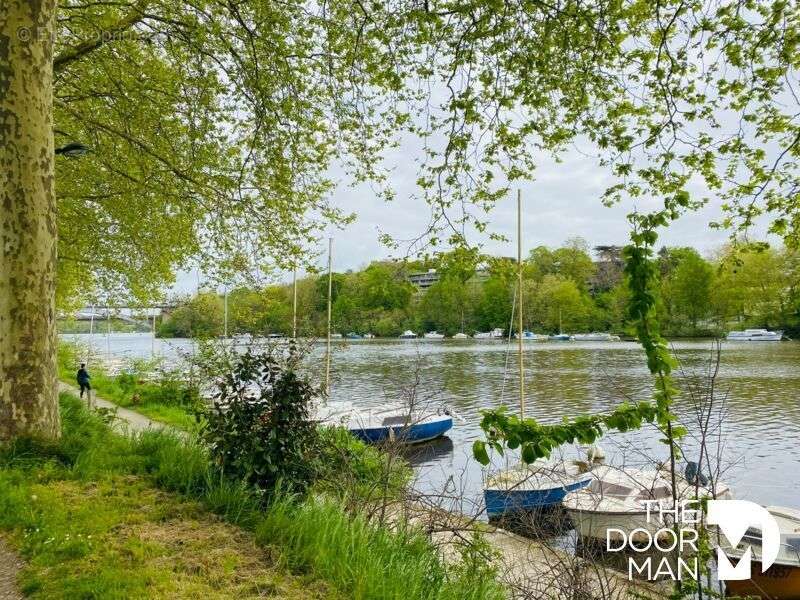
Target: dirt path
[[10, 564]]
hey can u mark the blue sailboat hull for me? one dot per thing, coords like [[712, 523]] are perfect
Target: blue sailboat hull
[[503, 502], [412, 434]]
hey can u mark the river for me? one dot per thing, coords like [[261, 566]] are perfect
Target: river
[[758, 388]]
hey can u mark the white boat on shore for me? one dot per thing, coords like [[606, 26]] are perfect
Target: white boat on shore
[[617, 499], [433, 335], [461, 336], [782, 579], [408, 335], [755, 335], [595, 336]]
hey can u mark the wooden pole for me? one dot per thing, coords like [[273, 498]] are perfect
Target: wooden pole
[[519, 326], [294, 303], [330, 292]]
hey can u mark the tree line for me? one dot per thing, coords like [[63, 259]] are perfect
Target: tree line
[[564, 289]]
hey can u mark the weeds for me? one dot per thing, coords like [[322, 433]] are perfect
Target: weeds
[[93, 482]]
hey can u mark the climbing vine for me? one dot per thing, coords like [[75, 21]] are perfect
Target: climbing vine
[[505, 430]]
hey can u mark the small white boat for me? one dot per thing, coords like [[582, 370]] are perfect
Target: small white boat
[[487, 335], [369, 336], [755, 335], [433, 335], [615, 499], [595, 336], [389, 422], [408, 335], [537, 486], [782, 580], [461, 336], [336, 336]]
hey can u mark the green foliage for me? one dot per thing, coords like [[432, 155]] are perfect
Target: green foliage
[[400, 563], [202, 316], [259, 428], [537, 441], [156, 393], [315, 535]]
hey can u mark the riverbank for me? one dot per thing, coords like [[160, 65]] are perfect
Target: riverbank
[[102, 514]]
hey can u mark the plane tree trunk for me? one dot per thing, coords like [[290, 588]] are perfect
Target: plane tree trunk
[[28, 383]]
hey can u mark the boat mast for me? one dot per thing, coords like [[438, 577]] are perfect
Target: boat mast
[[294, 303], [330, 290], [519, 326]]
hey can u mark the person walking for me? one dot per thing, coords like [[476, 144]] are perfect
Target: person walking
[[83, 381]]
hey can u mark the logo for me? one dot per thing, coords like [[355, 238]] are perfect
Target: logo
[[734, 518], [672, 532]]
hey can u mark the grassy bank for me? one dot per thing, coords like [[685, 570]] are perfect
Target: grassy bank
[[165, 400], [99, 515]]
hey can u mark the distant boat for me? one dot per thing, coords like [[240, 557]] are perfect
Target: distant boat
[[369, 336], [408, 335], [389, 422], [493, 334], [529, 335], [755, 335], [336, 336], [461, 336], [560, 337], [354, 336], [433, 335], [274, 336], [595, 336]]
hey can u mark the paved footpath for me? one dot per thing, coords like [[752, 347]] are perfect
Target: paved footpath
[[128, 419]]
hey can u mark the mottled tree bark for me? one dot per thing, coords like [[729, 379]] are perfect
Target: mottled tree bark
[[28, 385]]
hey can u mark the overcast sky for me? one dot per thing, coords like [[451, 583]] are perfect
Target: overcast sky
[[562, 202]]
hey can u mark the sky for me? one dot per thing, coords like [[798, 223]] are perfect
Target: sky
[[563, 201]]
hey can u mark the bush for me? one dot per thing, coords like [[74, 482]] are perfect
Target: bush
[[259, 428]]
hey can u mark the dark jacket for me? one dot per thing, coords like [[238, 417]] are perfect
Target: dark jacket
[[83, 376]]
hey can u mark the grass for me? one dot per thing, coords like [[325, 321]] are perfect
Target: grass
[[101, 515], [91, 523], [161, 401]]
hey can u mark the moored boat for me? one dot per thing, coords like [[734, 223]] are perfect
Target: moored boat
[[617, 499], [781, 581], [534, 487], [595, 336], [493, 334], [389, 422], [560, 337], [433, 335], [461, 336], [354, 336], [408, 335], [755, 335], [530, 336]]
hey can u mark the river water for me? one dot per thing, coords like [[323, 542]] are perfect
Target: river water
[[755, 425]]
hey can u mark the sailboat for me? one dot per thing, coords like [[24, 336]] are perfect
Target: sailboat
[[543, 484], [560, 336], [392, 421]]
